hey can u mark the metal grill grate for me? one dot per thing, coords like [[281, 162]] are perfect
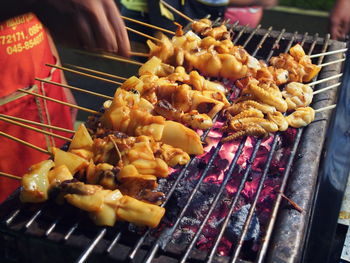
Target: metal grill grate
[[70, 227]]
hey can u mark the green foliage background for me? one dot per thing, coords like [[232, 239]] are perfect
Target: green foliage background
[[324, 5]]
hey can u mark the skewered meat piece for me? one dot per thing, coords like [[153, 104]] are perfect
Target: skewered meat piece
[[252, 130], [201, 25], [249, 104], [297, 63], [252, 112], [106, 206], [268, 97], [35, 183], [193, 118], [301, 117], [204, 27], [212, 64], [155, 66], [279, 119], [241, 124], [297, 95]]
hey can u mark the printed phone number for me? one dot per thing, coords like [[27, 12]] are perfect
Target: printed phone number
[[18, 48]]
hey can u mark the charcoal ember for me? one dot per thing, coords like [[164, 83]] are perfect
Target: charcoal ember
[[288, 137], [235, 226]]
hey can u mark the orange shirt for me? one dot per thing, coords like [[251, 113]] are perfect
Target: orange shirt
[[24, 50]]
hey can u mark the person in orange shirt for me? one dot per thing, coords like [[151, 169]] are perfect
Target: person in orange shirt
[[25, 48]]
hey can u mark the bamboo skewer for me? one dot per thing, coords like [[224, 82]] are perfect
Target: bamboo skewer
[[139, 54], [37, 123], [148, 25], [61, 102], [332, 62], [177, 11], [84, 74], [75, 88], [328, 53], [143, 34], [326, 88], [96, 72], [11, 176], [325, 79], [35, 129], [326, 108], [116, 58], [24, 142]]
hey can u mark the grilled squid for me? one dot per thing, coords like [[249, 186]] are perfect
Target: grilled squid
[[301, 117], [297, 95]]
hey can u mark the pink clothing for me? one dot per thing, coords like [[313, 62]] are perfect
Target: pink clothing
[[245, 15]]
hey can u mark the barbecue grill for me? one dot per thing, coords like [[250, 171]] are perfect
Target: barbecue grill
[[246, 201]]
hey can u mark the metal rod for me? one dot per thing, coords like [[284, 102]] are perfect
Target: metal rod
[[325, 79], [251, 35], [35, 129], [115, 240], [9, 220], [241, 187], [96, 72], [168, 196], [304, 38], [326, 88], [177, 11], [326, 108], [61, 102], [11, 176], [240, 34], [37, 123], [255, 201], [24, 142], [83, 74], [89, 249], [216, 200], [148, 25], [32, 219], [226, 179], [76, 89], [258, 46], [328, 53], [165, 236], [275, 44], [332, 62], [270, 226]]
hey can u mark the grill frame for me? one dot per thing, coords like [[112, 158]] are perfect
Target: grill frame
[[286, 217]]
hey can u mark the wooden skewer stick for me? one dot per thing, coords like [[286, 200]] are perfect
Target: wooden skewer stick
[[116, 58], [325, 79], [143, 34], [75, 88], [96, 72], [326, 108], [24, 143], [332, 62], [326, 88], [139, 54], [148, 25], [61, 102], [11, 176], [35, 129], [84, 74], [37, 123], [177, 11], [328, 53]]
